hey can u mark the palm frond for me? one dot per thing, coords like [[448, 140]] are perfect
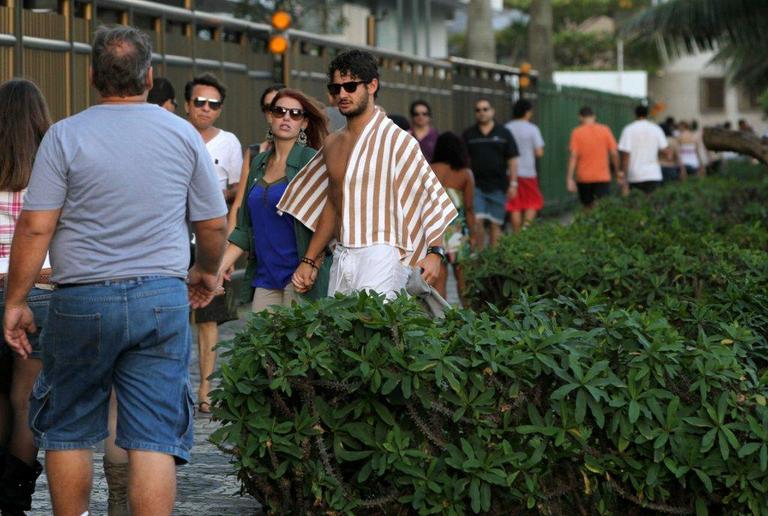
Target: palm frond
[[736, 29], [703, 24]]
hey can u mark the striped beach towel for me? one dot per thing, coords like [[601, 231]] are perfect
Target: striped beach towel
[[390, 194]]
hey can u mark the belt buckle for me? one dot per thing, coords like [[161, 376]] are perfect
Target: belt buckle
[[45, 286]]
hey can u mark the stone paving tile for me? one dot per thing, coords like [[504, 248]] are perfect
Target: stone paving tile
[[206, 486]]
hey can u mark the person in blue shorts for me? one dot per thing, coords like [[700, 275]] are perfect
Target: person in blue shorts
[[112, 205]]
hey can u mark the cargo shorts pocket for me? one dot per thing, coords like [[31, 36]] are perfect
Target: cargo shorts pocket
[[76, 337], [172, 330], [39, 406]]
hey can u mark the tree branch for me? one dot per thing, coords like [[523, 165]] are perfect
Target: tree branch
[[716, 139]]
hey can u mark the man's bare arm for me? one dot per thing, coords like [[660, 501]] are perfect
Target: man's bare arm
[[210, 238], [570, 175], [324, 232], [31, 239]]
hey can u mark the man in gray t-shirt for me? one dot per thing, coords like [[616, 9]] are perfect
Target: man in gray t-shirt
[[112, 202], [528, 200]]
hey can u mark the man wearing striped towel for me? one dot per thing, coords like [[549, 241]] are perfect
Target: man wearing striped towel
[[371, 189]]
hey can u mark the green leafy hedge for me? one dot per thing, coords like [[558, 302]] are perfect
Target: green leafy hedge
[[697, 253], [551, 406], [617, 365]]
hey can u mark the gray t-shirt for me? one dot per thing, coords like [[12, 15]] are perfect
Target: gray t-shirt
[[528, 139], [126, 177]]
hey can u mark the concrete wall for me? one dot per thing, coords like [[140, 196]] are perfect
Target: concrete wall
[[679, 88]]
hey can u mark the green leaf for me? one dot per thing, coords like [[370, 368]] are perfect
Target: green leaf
[[634, 411], [748, 449], [563, 391], [701, 507], [708, 440], [581, 406], [704, 479], [474, 496], [389, 385], [723, 442]]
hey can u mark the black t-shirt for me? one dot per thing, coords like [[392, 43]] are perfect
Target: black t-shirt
[[488, 155]]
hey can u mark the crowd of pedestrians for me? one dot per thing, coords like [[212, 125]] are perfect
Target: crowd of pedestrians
[[114, 225]]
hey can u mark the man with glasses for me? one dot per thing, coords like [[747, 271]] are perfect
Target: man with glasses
[[421, 128], [372, 190], [493, 159], [204, 97]]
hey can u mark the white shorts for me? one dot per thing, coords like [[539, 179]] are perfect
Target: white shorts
[[377, 267]]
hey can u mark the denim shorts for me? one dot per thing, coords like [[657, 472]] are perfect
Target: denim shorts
[[37, 300], [132, 335], [491, 206]]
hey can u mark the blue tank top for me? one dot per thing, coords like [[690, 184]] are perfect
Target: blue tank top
[[273, 236]]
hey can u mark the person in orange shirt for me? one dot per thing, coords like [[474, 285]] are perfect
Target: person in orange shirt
[[591, 144]]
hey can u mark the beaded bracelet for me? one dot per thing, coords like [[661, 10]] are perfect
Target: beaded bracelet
[[310, 262]]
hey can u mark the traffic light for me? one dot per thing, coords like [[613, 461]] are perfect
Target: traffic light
[[278, 42], [524, 80]]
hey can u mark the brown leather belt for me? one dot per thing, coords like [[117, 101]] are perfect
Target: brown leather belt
[[44, 278]]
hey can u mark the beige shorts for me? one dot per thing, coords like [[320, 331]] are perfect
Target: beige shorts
[[264, 298], [377, 267]]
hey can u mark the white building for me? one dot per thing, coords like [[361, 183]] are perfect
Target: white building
[[415, 27], [691, 87]]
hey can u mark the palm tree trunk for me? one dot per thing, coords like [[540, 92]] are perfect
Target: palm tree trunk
[[540, 48], [481, 44]]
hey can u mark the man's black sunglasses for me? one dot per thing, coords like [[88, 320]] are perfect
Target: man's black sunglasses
[[295, 113], [349, 87], [199, 102]]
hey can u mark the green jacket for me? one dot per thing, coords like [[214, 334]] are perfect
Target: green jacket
[[242, 235]]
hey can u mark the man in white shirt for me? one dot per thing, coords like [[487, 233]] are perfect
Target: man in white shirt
[[640, 144], [204, 97]]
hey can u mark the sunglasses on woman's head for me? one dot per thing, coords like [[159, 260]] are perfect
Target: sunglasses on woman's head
[[199, 102], [350, 87], [295, 113]]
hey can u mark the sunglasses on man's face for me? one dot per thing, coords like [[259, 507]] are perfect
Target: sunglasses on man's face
[[349, 87], [482, 109], [296, 114], [199, 102]]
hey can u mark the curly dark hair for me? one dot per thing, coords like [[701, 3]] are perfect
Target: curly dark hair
[[357, 63], [317, 128], [206, 79], [450, 149]]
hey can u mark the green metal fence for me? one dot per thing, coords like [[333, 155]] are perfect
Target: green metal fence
[[557, 109]]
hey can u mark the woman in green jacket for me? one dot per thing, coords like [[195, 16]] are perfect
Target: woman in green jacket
[[276, 243]]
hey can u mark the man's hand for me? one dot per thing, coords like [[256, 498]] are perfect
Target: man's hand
[[511, 192], [304, 278], [18, 321], [571, 185], [430, 266], [203, 287]]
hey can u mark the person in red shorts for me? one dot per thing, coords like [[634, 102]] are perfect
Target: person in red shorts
[[526, 204]]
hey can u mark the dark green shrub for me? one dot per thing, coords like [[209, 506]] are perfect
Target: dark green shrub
[[559, 406], [698, 249]]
